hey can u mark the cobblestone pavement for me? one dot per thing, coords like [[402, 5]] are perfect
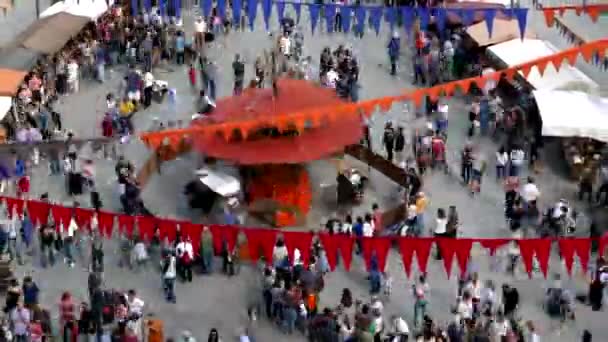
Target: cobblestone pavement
[[220, 302]]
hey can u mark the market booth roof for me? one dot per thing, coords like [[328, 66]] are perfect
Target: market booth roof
[[260, 105], [517, 51], [91, 9], [573, 114], [503, 30], [50, 34], [10, 80]]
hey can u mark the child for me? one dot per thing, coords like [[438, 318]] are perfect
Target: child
[[388, 285], [192, 75]]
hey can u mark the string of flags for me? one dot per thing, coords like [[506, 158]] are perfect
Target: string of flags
[[320, 116], [574, 39], [352, 18], [593, 11], [261, 241]]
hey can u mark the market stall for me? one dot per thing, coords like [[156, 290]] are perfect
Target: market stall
[[581, 120], [52, 33], [91, 9]]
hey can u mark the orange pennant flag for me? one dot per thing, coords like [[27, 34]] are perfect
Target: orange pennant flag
[[417, 96], [464, 85], [570, 56], [593, 13], [368, 108], [449, 88], [385, 104], [578, 10], [549, 16], [561, 11], [588, 50], [509, 73], [542, 65], [525, 69], [434, 92]]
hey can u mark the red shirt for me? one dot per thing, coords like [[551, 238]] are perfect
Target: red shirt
[[66, 311], [438, 147]]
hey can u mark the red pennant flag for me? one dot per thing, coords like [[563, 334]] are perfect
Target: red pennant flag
[[461, 248], [602, 245], [330, 244], [222, 233], [493, 244], [192, 231], [581, 247], [378, 245], [39, 211], [593, 12], [105, 220], [146, 225], [549, 16], [261, 240], [61, 215], [83, 217], [125, 224], [529, 247], [541, 66], [422, 247], [13, 204], [346, 244], [167, 229], [407, 254], [301, 241]]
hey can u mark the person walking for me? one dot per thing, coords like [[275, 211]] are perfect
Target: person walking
[[388, 139], [502, 158], [399, 144], [169, 267], [394, 47], [238, 68]]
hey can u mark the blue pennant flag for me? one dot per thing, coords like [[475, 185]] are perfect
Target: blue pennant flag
[[489, 15], [375, 16], [252, 11], [440, 18], [267, 11], [281, 11], [134, 5], [521, 14], [391, 16], [467, 16], [423, 14], [297, 7], [345, 14], [163, 8], [236, 12], [407, 16], [360, 13], [206, 7], [314, 16], [148, 5], [221, 9], [330, 17], [178, 8]]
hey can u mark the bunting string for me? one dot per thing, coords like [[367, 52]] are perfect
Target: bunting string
[[320, 116], [261, 241]]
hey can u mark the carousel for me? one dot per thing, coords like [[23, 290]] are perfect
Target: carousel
[[269, 135]]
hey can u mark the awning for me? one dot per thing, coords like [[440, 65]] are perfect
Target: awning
[[10, 80], [91, 9], [17, 58], [51, 34], [5, 105], [516, 52], [572, 114], [504, 30]]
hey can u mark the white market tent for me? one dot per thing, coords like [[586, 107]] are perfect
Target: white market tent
[[519, 51], [573, 114], [6, 102], [91, 9]]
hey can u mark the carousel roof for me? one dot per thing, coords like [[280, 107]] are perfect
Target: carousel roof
[[293, 97]]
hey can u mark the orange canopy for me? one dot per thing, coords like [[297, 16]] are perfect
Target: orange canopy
[[10, 80]]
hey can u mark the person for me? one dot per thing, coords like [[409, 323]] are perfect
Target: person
[[30, 292], [238, 68], [399, 144], [169, 268], [185, 255], [388, 139], [207, 250], [394, 47], [441, 223], [214, 336], [67, 315], [510, 298], [20, 319], [47, 242], [205, 104], [585, 184], [596, 292], [180, 47], [517, 161], [399, 331], [502, 158]]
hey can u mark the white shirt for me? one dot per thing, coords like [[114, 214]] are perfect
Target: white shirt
[[530, 192], [347, 228], [200, 26], [440, 227], [171, 270], [185, 247], [136, 306], [501, 158], [73, 71], [285, 45], [368, 230], [148, 79], [465, 309], [279, 253], [411, 212], [517, 157], [332, 76], [534, 337], [72, 228]]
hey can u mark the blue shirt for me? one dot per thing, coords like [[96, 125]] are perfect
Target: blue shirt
[[358, 229], [180, 44]]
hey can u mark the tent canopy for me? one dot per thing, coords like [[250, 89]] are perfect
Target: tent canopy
[[504, 30], [518, 51], [91, 9], [10, 80], [572, 114], [50, 34], [17, 58], [6, 102]]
